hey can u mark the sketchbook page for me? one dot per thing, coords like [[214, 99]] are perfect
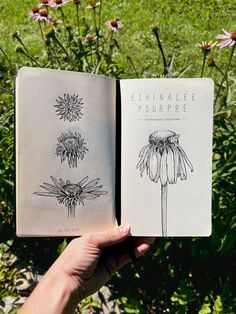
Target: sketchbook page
[[65, 152], [166, 156]]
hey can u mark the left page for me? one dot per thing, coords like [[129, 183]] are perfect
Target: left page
[[65, 152]]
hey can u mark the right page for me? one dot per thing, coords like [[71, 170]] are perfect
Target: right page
[[166, 156]]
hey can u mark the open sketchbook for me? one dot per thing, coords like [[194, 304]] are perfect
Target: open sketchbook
[[91, 149]]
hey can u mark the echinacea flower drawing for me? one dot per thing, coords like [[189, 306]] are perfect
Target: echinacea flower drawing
[[114, 25], [71, 147], [70, 194], [165, 161], [69, 107], [228, 39]]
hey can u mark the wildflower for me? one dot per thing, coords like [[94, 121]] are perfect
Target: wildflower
[[58, 3], [228, 39], [165, 160], [43, 16], [71, 147], [93, 5], [44, 3], [71, 194], [114, 25], [69, 107], [34, 13], [206, 46], [90, 38]]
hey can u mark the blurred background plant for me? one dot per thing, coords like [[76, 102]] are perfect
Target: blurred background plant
[[119, 39]]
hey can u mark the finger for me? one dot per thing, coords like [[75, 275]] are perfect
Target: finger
[[107, 238]]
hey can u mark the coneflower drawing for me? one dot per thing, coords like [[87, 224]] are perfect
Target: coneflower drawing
[[71, 194], [165, 160]]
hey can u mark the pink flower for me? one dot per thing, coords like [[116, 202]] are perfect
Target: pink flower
[[90, 38], [114, 25], [228, 39], [34, 13], [206, 46], [43, 16], [58, 3], [44, 3], [93, 5]]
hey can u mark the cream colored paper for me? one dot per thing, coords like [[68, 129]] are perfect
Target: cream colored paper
[[182, 106], [38, 128]]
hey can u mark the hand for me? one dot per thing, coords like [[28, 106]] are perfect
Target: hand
[[90, 261], [86, 264]]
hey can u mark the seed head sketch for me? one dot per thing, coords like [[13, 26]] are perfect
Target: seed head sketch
[[71, 146], [165, 161], [69, 107], [71, 194]]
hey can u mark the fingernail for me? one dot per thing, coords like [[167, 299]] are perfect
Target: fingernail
[[125, 228]]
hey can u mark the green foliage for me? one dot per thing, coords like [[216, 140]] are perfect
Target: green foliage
[[191, 275]]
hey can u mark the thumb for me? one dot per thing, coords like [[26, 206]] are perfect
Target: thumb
[[106, 238]]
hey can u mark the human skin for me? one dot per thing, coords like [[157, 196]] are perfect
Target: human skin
[[86, 265]]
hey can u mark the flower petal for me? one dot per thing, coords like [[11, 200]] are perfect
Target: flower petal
[[222, 36], [170, 165], [163, 175], [227, 33]]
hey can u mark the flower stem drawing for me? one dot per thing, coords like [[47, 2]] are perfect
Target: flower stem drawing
[[164, 160], [71, 194], [71, 146]]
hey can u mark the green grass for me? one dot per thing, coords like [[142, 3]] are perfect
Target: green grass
[[182, 25]]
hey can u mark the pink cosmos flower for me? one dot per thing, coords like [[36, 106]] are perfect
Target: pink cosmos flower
[[114, 25], [93, 5], [228, 39]]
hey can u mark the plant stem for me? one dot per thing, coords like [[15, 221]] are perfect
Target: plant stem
[[204, 61], [71, 211], [41, 31], [162, 51], [6, 90], [30, 57], [164, 209], [95, 22], [225, 74], [6, 56], [77, 16], [62, 47]]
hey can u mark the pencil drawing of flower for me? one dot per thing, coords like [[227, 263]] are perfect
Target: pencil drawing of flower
[[165, 161], [69, 107], [71, 194], [71, 146], [228, 39]]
